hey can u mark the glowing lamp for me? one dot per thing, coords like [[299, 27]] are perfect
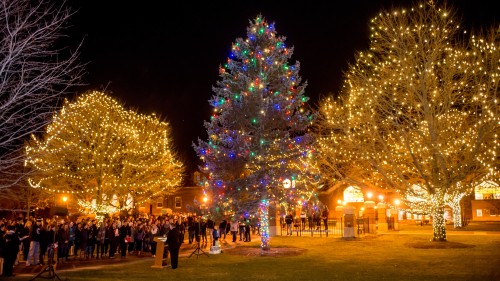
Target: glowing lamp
[[287, 183]]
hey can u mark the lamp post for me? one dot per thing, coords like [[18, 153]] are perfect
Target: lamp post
[[382, 216], [203, 206], [397, 202], [65, 200], [396, 214], [369, 195], [369, 212]]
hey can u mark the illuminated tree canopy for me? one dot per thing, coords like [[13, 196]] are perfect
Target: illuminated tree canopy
[[421, 107], [257, 136], [102, 153]]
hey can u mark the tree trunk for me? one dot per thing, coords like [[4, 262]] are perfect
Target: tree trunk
[[457, 216], [28, 199], [264, 223], [438, 223], [98, 200]]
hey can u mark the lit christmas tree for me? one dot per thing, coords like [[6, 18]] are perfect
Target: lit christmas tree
[[422, 108], [257, 136], [107, 157]]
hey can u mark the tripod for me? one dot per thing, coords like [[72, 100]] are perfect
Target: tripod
[[50, 268], [198, 251]]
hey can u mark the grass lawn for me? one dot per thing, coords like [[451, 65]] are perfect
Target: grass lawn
[[373, 257]]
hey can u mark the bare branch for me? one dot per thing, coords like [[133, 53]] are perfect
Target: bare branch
[[34, 74]]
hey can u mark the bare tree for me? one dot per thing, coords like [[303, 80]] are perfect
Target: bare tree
[[422, 107], [34, 73]]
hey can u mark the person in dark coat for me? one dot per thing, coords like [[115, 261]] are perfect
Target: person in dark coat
[[174, 244], [124, 231], [203, 231], [113, 235], [89, 249], [210, 229], [78, 239], [3, 231], [197, 229], [10, 250], [45, 239], [35, 236], [324, 216], [191, 230], [181, 226], [222, 229], [248, 228], [25, 238]]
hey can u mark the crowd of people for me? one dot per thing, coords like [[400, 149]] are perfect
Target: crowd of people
[[43, 240], [314, 219]]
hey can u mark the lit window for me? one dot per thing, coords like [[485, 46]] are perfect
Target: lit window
[[487, 190], [159, 204], [178, 202], [353, 194], [479, 212]]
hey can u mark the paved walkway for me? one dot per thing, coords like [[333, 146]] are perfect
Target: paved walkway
[[75, 263]]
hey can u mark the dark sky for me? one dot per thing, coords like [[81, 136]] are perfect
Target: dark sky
[[163, 56]]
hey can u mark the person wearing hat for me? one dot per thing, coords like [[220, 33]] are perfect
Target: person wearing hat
[[35, 235]]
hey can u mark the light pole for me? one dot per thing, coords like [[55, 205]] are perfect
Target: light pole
[[65, 200], [369, 195], [205, 207]]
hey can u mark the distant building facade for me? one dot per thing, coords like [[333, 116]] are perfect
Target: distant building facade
[[486, 202], [185, 200]]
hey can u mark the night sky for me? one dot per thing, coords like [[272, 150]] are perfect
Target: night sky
[[164, 56]]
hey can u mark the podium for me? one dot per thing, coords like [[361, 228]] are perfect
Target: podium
[[161, 259]]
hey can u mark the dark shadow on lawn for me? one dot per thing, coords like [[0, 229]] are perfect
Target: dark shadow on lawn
[[273, 252], [437, 245]]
